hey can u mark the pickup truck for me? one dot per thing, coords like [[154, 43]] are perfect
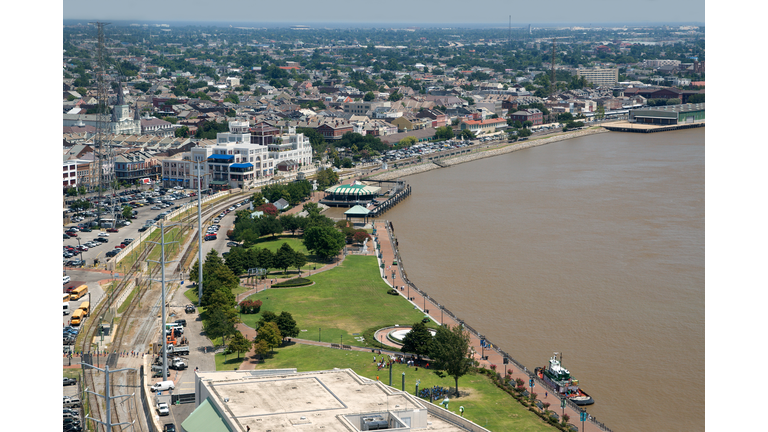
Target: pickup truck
[[177, 364], [162, 409]]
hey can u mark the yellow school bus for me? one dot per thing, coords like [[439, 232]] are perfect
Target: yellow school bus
[[66, 298], [79, 292], [85, 307], [77, 317]]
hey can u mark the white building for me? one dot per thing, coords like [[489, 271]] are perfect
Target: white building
[[234, 161], [292, 147]]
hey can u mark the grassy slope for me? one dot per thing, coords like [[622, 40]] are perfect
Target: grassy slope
[[346, 300]]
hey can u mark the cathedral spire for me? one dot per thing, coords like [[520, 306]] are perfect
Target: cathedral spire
[[120, 98]]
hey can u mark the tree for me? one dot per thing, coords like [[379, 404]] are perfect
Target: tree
[[220, 323], [522, 133], [260, 348], [181, 132], [325, 242], [257, 199], [418, 340], [284, 257], [450, 349], [290, 222], [239, 344], [360, 236], [407, 141], [394, 97], [299, 260], [270, 334], [287, 325], [444, 132], [127, 212], [369, 97]]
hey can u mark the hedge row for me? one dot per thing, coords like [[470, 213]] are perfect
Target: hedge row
[[293, 283]]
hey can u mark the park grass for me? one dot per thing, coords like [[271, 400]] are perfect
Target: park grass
[[343, 303], [226, 362], [483, 402]]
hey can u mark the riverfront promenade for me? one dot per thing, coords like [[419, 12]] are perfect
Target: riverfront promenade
[[389, 254]]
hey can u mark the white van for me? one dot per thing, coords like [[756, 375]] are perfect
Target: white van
[[162, 386], [67, 279], [66, 308]]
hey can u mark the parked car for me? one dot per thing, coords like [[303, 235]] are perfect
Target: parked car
[[113, 252], [71, 233], [112, 230], [103, 234], [210, 237], [169, 427], [120, 246], [189, 309], [101, 239], [70, 381], [183, 322]]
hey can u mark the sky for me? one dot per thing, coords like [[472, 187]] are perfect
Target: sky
[[394, 11]]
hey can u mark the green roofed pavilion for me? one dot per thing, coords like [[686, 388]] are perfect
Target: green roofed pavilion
[[351, 193], [358, 211]]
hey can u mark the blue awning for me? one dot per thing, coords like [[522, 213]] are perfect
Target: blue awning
[[242, 165], [221, 157]]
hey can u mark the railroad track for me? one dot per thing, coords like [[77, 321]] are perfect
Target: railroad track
[[130, 380]]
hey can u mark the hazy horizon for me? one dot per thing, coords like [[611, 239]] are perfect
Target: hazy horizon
[[361, 12]]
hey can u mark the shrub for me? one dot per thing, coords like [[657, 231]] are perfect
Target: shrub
[[250, 306], [293, 283]]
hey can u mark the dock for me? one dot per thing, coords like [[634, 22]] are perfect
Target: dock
[[648, 128]]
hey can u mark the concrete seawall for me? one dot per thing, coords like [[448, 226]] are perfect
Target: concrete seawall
[[393, 174]]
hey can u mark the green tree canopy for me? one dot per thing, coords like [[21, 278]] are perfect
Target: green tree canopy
[[239, 344], [287, 325], [418, 340], [450, 349], [325, 242], [270, 334]]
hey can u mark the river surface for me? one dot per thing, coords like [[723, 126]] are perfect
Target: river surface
[[593, 247]]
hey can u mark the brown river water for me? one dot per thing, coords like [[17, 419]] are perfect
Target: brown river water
[[593, 247]]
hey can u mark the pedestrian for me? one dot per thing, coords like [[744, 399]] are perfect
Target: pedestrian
[[247, 428], [377, 377], [546, 394], [374, 359]]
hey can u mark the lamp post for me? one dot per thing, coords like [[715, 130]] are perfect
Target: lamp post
[[319, 333]]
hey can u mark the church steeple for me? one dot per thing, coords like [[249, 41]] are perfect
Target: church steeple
[[136, 112]]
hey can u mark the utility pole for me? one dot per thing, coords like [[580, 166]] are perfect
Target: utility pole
[[108, 398], [162, 263]]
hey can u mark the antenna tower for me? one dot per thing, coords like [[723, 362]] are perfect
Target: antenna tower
[[509, 37]]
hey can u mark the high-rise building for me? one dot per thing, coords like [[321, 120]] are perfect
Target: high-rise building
[[607, 77]]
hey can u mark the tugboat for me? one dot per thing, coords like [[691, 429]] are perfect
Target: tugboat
[[560, 379]]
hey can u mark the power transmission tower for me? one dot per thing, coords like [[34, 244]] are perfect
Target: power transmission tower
[[552, 84], [101, 111], [163, 300]]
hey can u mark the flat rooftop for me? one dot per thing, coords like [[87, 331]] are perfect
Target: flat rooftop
[[332, 400]]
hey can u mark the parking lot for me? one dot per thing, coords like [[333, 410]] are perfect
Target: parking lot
[[89, 243]]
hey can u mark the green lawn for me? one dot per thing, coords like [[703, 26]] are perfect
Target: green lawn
[[345, 300], [72, 373], [483, 402], [273, 244], [228, 362]]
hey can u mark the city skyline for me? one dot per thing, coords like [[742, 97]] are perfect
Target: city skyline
[[347, 12]]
